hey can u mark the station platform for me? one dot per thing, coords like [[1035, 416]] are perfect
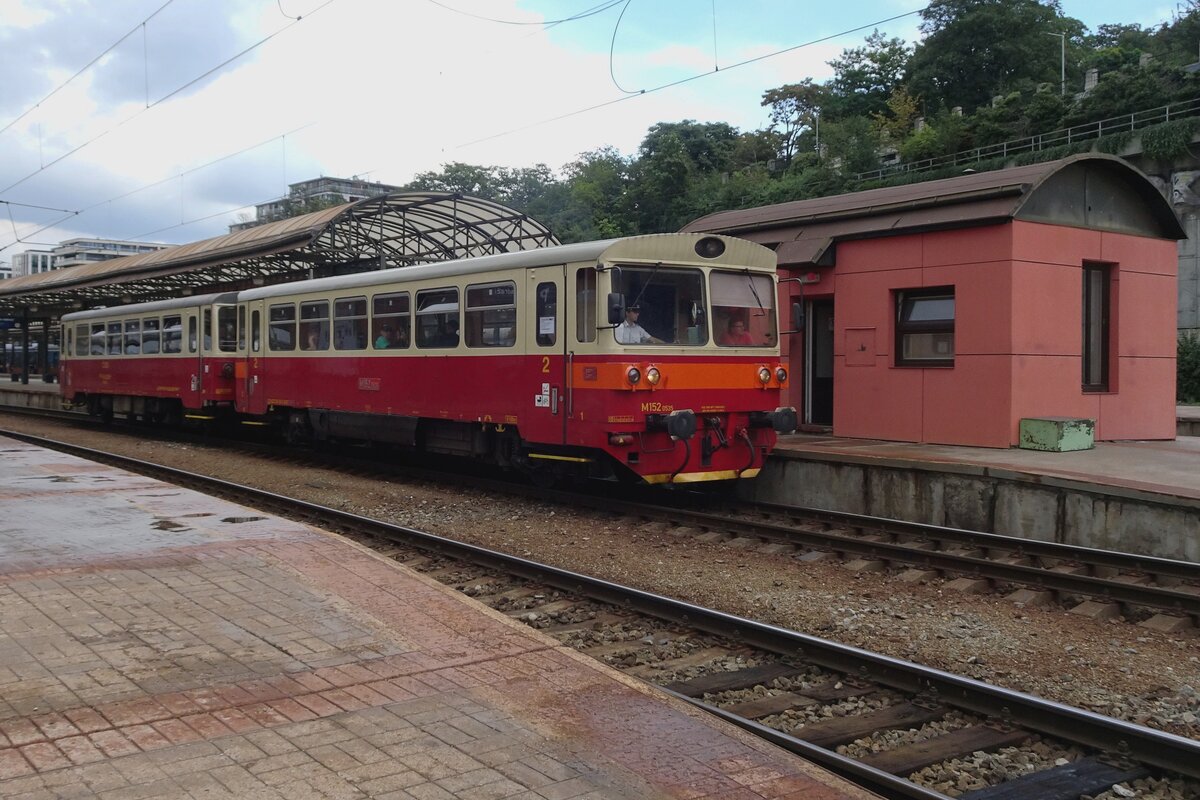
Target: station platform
[[155, 642], [1140, 497]]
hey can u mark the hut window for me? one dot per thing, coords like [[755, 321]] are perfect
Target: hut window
[[925, 327], [1095, 327]]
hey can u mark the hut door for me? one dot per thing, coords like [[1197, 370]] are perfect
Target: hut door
[[818, 363]]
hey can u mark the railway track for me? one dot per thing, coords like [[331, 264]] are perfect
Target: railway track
[[777, 683], [1163, 594]]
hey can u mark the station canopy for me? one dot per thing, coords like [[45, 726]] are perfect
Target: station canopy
[[391, 230]]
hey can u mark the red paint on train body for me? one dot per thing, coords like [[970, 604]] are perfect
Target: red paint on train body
[[534, 373]]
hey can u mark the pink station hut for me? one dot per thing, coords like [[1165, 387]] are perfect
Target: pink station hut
[[948, 311]]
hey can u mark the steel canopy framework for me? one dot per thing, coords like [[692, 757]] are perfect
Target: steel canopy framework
[[391, 230]]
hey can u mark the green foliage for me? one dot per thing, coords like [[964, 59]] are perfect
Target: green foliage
[[1117, 93], [1187, 369], [865, 77], [852, 143], [1170, 139], [922, 145], [974, 49], [794, 109]]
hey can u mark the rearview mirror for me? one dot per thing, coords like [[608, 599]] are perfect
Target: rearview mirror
[[616, 308]]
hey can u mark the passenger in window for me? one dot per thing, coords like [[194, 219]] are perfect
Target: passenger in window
[[736, 334], [312, 340], [401, 339], [386, 338], [630, 332]]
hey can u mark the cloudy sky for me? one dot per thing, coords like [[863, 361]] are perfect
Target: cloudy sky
[[164, 120]]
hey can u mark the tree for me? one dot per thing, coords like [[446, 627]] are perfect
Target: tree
[[851, 145], [1125, 90], [469, 179], [975, 49], [708, 145], [794, 109], [598, 203], [1176, 44], [865, 77], [661, 181], [900, 117]]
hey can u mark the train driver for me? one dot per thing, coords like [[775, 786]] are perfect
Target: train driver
[[736, 334], [630, 332]]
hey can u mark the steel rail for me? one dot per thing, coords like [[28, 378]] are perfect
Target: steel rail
[[1146, 745], [1164, 598], [1037, 548]]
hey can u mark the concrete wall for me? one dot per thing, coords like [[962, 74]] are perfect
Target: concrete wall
[[995, 501]]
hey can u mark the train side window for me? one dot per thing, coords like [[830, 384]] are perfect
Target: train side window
[[193, 337], [99, 342], [437, 318], [350, 323], [492, 315], [281, 333], [256, 331], [82, 342], [585, 305], [172, 334], [151, 337], [133, 337], [227, 329], [241, 329], [70, 346], [114, 338], [314, 325], [546, 316], [391, 322]]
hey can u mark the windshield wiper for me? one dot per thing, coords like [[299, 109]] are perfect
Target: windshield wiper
[[753, 291]]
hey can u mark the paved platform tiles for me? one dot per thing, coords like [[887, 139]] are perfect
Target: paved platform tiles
[[155, 642]]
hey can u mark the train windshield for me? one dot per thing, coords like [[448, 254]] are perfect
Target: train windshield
[[743, 309], [664, 305]]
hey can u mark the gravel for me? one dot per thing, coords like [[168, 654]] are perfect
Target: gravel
[[1112, 667]]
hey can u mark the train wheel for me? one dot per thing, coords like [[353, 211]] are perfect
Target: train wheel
[[296, 431]]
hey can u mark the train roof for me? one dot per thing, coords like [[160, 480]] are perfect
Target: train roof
[[151, 307], [660, 246]]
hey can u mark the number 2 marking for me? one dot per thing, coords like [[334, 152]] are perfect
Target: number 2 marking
[[545, 363]]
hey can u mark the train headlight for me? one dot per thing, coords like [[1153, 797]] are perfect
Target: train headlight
[[781, 374], [653, 376], [633, 375], [764, 375]]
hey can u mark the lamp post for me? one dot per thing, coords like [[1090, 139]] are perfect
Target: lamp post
[[1062, 73]]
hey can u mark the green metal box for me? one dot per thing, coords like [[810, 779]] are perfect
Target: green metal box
[[1057, 434]]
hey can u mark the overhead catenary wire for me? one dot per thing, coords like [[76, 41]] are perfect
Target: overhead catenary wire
[[19, 239], [682, 81], [542, 23], [86, 67], [163, 99]]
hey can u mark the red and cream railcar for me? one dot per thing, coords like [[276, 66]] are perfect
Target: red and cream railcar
[[158, 361], [528, 359]]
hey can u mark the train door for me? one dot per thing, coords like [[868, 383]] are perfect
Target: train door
[[546, 323], [251, 343], [219, 353], [181, 335]]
